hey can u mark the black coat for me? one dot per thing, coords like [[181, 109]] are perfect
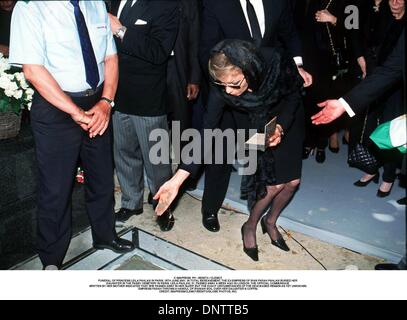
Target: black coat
[[143, 56], [187, 44]]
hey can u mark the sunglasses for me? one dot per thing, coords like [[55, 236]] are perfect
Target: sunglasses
[[230, 85]]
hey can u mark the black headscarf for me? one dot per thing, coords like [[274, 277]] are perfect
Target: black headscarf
[[270, 80]]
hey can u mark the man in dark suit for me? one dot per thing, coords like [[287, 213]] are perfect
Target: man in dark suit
[[146, 31], [184, 71], [384, 77], [269, 24]]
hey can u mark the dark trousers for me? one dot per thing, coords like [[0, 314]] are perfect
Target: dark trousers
[[217, 176], [59, 142]]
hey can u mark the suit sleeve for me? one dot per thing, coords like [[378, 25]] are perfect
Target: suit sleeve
[[154, 41], [379, 81], [287, 31], [193, 41], [211, 119], [211, 34]]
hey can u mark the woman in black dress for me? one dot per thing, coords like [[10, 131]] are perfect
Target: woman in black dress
[[243, 79]]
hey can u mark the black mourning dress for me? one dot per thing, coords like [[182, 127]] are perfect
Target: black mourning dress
[[276, 86]]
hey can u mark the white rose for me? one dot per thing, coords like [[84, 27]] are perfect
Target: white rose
[[9, 93], [4, 65], [19, 76], [29, 91], [18, 94], [12, 86], [4, 82]]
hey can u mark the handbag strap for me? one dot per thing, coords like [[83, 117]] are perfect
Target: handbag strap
[[331, 41], [364, 127]]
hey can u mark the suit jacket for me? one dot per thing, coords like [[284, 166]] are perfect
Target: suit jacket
[[384, 77], [225, 20], [152, 27], [187, 44]]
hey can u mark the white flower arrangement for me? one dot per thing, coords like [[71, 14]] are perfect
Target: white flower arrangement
[[15, 92]]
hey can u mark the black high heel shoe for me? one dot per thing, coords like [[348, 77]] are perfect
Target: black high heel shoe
[[344, 141], [333, 150], [375, 179], [279, 243], [320, 156], [253, 253], [383, 194], [307, 151]]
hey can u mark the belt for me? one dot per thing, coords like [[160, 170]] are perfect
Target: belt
[[86, 93]]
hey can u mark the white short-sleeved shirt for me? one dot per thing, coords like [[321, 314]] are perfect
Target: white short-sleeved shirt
[[45, 33]]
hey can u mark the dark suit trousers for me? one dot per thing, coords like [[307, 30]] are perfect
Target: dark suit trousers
[[217, 176], [59, 142]]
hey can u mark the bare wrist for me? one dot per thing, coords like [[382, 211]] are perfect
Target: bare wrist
[[79, 113], [180, 176]]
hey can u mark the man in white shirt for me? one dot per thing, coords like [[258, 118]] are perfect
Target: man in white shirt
[[67, 53]]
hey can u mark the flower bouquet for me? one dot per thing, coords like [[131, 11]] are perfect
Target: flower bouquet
[[15, 95]]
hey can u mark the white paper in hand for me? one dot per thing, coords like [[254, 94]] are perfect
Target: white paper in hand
[[259, 140]]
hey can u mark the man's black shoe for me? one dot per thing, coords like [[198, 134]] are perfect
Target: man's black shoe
[[387, 266], [150, 198], [166, 221], [191, 185], [402, 201], [244, 196], [117, 245], [210, 221], [124, 214]]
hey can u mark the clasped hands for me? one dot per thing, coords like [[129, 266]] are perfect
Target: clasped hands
[[96, 120]]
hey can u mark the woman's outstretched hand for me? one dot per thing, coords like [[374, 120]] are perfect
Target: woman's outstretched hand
[[169, 191]]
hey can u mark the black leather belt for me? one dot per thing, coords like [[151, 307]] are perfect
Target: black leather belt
[[86, 93]]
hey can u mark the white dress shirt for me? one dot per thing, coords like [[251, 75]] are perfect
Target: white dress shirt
[[45, 33], [121, 6], [261, 17], [259, 8], [347, 107]]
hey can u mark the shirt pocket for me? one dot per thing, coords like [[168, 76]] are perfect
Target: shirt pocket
[[99, 37]]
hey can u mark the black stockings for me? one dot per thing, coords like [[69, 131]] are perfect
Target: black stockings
[[279, 196]]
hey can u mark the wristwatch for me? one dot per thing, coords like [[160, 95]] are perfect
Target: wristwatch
[[120, 32], [110, 102]]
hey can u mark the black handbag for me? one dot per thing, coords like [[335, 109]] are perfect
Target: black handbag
[[360, 156]]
